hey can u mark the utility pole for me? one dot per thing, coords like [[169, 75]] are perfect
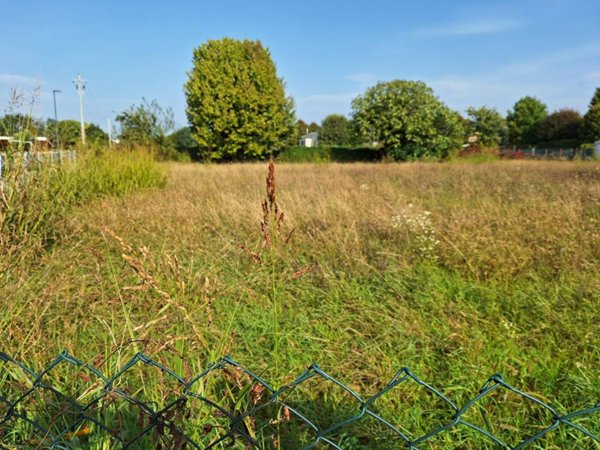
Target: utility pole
[[80, 86], [54, 92], [109, 134]]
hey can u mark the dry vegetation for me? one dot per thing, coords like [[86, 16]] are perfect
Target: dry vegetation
[[456, 270]]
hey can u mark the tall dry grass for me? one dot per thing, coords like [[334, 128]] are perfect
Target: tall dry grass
[[486, 268]]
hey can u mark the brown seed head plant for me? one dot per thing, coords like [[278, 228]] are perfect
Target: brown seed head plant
[[273, 239]]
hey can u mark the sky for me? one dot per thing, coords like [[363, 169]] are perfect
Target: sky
[[472, 53]]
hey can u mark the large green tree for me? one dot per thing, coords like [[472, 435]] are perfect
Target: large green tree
[[236, 104], [591, 120], [524, 119], [336, 130], [407, 120], [488, 124]]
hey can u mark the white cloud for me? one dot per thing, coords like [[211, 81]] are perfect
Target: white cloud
[[470, 28]]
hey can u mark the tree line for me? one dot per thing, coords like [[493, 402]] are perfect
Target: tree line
[[238, 109]]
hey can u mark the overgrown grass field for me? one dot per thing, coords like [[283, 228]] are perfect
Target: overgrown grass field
[[456, 270]]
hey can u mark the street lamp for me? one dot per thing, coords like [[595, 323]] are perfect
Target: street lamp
[[54, 92]]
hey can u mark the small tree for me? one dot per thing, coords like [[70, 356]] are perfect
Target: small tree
[[145, 124], [524, 119], [591, 121], [488, 124], [236, 104], [336, 130], [407, 120]]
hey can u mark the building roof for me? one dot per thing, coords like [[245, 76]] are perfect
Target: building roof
[[313, 135]]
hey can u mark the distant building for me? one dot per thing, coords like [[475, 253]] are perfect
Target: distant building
[[597, 149], [5, 142], [309, 140], [42, 144]]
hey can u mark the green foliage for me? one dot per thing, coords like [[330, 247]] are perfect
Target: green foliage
[[524, 119], [326, 154], [314, 127], [560, 127], [591, 121], [69, 133], [20, 126], [147, 125], [301, 129], [336, 129], [488, 124], [407, 120], [236, 104], [183, 141], [591, 124], [36, 202]]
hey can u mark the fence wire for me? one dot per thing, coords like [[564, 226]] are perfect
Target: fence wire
[[228, 406]]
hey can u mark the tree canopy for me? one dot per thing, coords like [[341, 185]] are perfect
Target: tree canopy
[[591, 121], [560, 129], [236, 104], [523, 120], [489, 125], [69, 133], [336, 130], [407, 120]]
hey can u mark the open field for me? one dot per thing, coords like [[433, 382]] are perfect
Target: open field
[[458, 271]]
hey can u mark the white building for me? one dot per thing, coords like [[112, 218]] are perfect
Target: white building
[[309, 140]]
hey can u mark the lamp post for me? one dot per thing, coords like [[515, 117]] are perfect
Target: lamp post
[[54, 92]]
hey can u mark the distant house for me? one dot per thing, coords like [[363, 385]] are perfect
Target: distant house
[[309, 140], [597, 149]]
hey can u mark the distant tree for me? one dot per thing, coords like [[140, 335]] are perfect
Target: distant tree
[[591, 120], [301, 128], [21, 126], [489, 125], [407, 120], [185, 144], [561, 128], [314, 127], [336, 130], [524, 119], [146, 124], [236, 104], [69, 132]]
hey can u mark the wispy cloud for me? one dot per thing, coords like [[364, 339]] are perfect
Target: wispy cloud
[[501, 87], [318, 106], [345, 97], [19, 80], [364, 79], [470, 28]]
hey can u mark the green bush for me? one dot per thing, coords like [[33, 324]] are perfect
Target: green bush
[[323, 154], [36, 201]]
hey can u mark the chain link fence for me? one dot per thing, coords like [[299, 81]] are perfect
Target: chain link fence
[[146, 405]]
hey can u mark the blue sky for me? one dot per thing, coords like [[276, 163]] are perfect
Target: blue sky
[[328, 52]]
